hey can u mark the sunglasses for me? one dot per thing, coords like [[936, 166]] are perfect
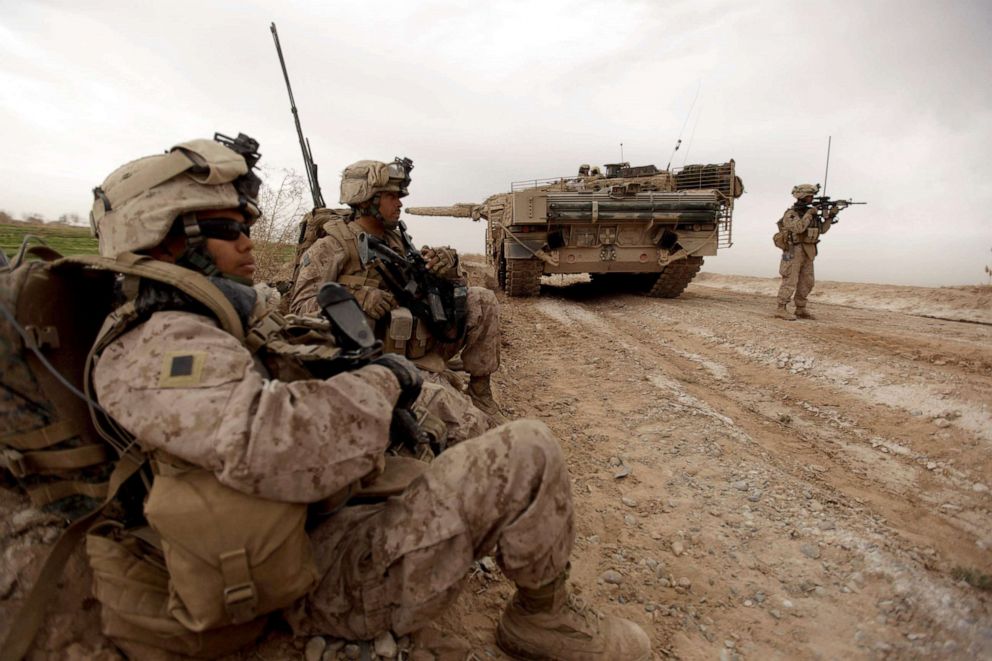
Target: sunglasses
[[223, 229]]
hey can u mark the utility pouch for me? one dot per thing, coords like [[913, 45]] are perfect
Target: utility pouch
[[231, 557], [781, 240], [132, 585]]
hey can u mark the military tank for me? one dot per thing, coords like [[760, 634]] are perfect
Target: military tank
[[631, 228]]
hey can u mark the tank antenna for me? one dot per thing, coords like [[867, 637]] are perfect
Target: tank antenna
[[692, 136], [826, 170], [678, 143]]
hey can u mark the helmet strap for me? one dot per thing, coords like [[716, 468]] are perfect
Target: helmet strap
[[373, 208], [195, 255]]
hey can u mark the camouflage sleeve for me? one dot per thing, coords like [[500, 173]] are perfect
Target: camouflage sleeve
[[322, 262], [181, 384], [793, 222]]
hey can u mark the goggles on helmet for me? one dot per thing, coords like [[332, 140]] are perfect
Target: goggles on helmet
[[400, 169]]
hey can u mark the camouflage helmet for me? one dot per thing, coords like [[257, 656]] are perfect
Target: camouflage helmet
[[805, 190], [362, 180], [136, 206]]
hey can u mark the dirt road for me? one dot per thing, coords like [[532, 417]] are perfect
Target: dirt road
[[747, 487], [805, 489]]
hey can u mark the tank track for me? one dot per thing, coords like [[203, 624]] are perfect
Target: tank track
[[523, 277], [676, 277]]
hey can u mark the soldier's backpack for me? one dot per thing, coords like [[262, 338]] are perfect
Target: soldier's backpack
[[60, 450]]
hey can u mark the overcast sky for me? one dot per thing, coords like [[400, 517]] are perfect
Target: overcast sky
[[480, 94]]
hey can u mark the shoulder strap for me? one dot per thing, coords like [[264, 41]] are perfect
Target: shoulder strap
[[187, 281], [29, 618], [341, 231]]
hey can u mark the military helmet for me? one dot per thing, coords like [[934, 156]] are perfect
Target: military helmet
[[362, 180], [804, 190], [136, 206]]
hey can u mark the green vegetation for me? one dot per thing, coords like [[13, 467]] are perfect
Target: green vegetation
[[275, 259], [973, 577], [66, 239]]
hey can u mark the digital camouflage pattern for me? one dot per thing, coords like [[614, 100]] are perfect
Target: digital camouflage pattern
[[329, 259], [181, 384], [397, 565], [796, 266], [363, 179], [394, 565], [136, 205], [799, 191]]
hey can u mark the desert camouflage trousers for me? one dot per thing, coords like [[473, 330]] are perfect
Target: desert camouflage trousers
[[397, 565], [455, 409], [480, 347], [797, 276]]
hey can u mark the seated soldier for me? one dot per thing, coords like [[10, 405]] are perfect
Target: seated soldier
[[196, 398], [373, 190]]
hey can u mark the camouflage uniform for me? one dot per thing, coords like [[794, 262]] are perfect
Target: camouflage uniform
[[189, 390], [391, 565], [329, 260], [803, 226], [796, 267]]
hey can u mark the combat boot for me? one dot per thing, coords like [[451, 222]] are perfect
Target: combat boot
[[803, 313], [549, 624], [481, 392], [783, 313]]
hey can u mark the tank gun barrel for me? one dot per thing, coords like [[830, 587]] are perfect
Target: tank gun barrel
[[460, 210]]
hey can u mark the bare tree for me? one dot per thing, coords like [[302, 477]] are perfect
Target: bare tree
[[283, 201], [988, 271], [69, 219]]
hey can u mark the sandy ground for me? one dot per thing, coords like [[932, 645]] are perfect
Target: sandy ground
[[747, 487]]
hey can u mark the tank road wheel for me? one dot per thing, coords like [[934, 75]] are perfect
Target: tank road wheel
[[676, 277], [523, 277]]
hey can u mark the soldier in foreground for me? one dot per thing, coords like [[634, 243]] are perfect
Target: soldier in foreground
[[799, 233], [220, 429], [373, 190]]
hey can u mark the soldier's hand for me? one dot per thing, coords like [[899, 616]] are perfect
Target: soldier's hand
[[442, 260], [834, 210], [409, 377], [374, 302]]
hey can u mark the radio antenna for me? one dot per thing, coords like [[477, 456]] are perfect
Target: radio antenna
[[678, 143], [826, 170]]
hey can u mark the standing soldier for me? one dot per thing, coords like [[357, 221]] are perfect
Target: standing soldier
[[373, 190], [237, 453], [799, 232]]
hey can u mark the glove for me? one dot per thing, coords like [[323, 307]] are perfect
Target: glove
[[442, 260], [374, 302], [406, 373], [832, 213]]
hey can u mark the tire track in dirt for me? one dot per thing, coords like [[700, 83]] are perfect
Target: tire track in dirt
[[600, 352]]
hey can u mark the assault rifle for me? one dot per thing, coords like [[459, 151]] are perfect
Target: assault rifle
[[824, 204], [359, 348], [438, 302]]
